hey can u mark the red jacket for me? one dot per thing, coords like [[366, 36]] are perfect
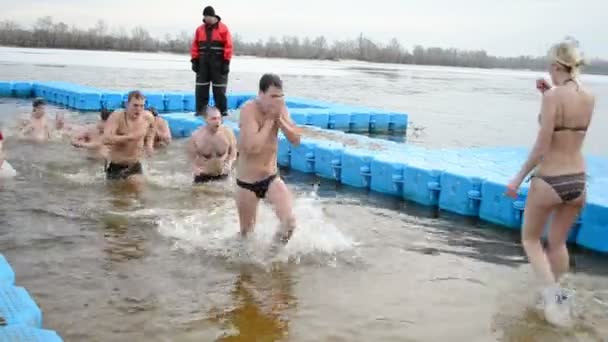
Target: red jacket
[[220, 42], [1, 137]]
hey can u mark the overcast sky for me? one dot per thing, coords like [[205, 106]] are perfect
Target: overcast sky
[[501, 27]]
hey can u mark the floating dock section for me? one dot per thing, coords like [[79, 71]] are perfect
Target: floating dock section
[[303, 111], [20, 316]]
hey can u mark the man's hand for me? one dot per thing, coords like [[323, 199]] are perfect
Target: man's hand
[[195, 66], [274, 115], [542, 85], [149, 150], [29, 128], [196, 170], [513, 187], [227, 167]]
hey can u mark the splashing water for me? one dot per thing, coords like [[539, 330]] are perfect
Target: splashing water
[[84, 176], [215, 231], [168, 180], [7, 170]]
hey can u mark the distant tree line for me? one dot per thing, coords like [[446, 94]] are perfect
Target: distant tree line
[[365, 49], [46, 33]]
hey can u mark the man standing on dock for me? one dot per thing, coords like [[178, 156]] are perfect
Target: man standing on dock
[[210, 54]]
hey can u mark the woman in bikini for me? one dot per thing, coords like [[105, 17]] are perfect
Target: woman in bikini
[[558, 184]]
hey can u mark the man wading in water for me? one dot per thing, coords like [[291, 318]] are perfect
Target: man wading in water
[[125, 133], [212, 149], [257, 176]]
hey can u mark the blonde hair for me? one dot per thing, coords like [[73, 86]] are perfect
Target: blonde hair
[[567, 55]]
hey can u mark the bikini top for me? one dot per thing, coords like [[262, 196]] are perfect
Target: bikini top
[[563, 127]]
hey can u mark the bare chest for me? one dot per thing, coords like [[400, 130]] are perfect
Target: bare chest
[[211, 145]]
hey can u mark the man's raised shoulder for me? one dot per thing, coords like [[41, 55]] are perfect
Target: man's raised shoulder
[[249, 112], [149, 116], [249, 107], [228, 132], [115, 114]]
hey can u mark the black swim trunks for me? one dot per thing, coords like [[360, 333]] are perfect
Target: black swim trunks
[[259, 188], [116, 171], [203, 178]]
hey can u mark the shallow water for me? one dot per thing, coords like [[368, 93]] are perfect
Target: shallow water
[[106, 265]]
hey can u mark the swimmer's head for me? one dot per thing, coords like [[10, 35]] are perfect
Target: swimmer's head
[[153, 111], [271, 96], [213, 117], [565, 58], [135, 103], [39, 107]]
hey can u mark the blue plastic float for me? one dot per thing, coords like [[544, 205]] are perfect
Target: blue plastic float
[[20, 316], [304, 111]]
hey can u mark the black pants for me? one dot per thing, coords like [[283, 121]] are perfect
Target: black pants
[[210, 73]]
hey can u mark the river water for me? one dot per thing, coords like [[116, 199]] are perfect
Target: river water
[[106, 265]]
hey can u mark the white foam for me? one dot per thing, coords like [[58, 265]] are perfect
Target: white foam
[[166, 179], [7, 170], [215, 231], [85, 177]]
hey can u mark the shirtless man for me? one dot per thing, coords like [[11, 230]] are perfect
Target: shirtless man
[[162, 133], [257, 177], [125, 133], [92, 138], [212, 149], [37, 128]]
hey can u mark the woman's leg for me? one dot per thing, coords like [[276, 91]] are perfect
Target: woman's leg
[[563, 220], [539, 204]]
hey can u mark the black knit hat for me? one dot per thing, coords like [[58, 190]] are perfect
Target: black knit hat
[[209, 11]]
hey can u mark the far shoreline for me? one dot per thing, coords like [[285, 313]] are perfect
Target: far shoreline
[[186, 59]]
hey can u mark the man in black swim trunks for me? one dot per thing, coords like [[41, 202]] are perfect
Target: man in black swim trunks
[[212, 149], [260, 121], [125, 133]]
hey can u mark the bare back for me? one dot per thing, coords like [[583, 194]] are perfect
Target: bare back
[[252, 167], [574, 109]]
